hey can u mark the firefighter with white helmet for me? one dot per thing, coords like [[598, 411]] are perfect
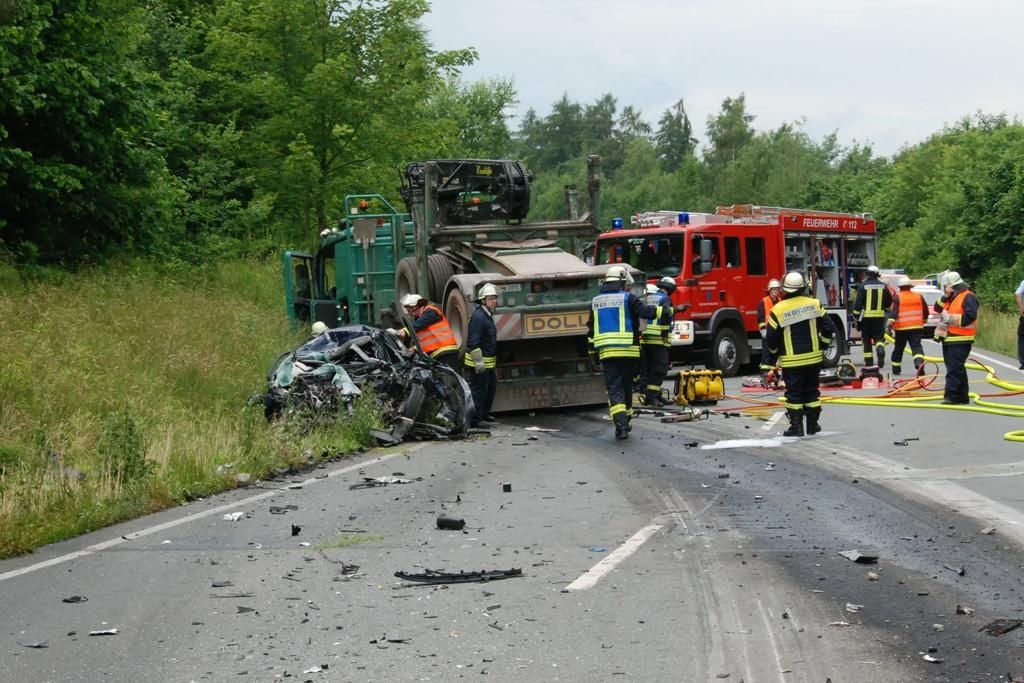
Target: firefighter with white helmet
[[872, 303], [909, 313], [317, 329], [764, 307], [654, 343], [613, 333], [432, 330], [798, 332], [481, 359], [959, 321]]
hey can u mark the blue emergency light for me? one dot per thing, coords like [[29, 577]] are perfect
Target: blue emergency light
[[616, 224], [683, 218]]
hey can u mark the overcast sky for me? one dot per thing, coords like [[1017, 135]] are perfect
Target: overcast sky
[[884, 72]]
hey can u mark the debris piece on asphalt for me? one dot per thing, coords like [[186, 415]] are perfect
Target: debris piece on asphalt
[[234, 516], [989, 530], [859, 557], [872, 576], [36, 644], [957, 570], [296, 529], [506, 487], [938, 628], [998, 627], [241, 609], [960, 609], [434, 576], [598, 549], [282, 509], [839, 623], [104, 632], [852, 608], [315, 669], [452, 523], [230, 595], [935, 660], [770, 467], [541, 429], [371, 482], [75, 599], [221, 584]]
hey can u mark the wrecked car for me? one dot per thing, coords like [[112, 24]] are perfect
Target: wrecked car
[[419, 397]]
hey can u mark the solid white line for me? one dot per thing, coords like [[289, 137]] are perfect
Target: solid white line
[[595, 573], [773, 420], [186, 519]]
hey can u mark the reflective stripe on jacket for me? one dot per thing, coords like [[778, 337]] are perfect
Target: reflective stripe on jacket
[[911, 311], [656, 332], [873, 301], [958, 306], [798, 332], [613, 325], [437, 337]]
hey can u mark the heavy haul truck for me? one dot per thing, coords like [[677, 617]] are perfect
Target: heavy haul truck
[[464, 225]]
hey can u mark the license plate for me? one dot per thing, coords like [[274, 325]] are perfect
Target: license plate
[[552, 324]]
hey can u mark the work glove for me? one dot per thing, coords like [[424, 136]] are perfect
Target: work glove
[[764, 332], [478, 360]]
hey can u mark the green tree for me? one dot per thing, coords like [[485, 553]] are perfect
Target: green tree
[[674, 139], [728, 133]]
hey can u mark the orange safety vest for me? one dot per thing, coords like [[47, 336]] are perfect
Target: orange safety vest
[[437, 338], [955, 306], [911, 313], [768, 303]]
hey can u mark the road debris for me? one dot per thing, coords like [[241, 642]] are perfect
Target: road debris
[[75, 599], [36, 644], [960, 609], [852, 608], [872, 576], [989, 530], [506, 487], [859, 557], [958, 570], [434, 576], [282, 509], [541, 429], [104, 632], [371, 482], [419, 397], [234, 516], [930, 658], [998, 627], [452, 523]]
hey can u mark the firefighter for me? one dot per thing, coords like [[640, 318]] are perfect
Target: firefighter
[[432, 330], [317, 329], [958, 322], [613, 333], [764, 307], [798, 332], [482, 355], [873, 300], [654, 343], [909, 312]]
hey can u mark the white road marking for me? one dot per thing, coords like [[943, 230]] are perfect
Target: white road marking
[[597, 572], [186, 519], [773, 420]]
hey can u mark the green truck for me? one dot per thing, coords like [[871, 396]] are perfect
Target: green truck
[[464, 225]]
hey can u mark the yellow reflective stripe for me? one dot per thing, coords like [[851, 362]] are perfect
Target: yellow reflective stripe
[[618, 352], [617, 409], [489, 362], [797, 360]]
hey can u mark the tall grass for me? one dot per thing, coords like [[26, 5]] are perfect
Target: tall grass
[[123, 390]]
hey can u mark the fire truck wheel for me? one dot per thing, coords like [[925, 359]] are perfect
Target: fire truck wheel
[[835, 350], [724, 354]]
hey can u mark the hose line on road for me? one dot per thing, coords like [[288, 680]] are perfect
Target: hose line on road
[[905, 394]]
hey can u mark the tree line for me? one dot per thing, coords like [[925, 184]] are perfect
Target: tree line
[[194, 130]]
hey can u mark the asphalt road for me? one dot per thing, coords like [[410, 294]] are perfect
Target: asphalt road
[[678, 555]]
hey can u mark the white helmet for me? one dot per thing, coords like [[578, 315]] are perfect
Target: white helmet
[[618, 273], [318, 328], [793, 282], [410, 300], [873, 270], [953, 279], [652, 288], [774, 284], [904, 281], [486, 291], [668, 284]]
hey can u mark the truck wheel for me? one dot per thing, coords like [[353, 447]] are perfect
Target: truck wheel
[[724, 354], [837, 348], [457, 311], [407, 275], [439, 271]]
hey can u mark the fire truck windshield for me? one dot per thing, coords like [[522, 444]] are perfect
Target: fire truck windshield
[[656, 255]]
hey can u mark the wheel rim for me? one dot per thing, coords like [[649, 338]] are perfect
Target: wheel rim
[[726, 353]]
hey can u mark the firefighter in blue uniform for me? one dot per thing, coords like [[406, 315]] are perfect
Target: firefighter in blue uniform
[[654, 343], [482, 356], [797, 335], [873, 301], [613, 332]]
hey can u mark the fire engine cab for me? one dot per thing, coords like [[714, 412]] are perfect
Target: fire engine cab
[[722, 263]]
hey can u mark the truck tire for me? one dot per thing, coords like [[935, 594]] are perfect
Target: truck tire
[[439, 271], [407, 275], [456, 309], [837, 348], [724, 353]]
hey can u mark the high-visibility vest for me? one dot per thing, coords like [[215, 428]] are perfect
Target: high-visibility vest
[[874, 294], [955, 307], [613, 326], [437, 338], [911, 311], [798, 319], [656, 331]]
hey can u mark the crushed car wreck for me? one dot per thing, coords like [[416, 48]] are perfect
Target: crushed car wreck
[[419, 397]]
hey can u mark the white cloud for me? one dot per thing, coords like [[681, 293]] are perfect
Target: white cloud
[[885, 72]]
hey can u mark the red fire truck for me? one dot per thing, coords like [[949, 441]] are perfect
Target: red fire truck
[[722, 263]]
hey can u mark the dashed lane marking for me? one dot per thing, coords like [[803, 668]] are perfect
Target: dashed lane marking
[[598, 571]]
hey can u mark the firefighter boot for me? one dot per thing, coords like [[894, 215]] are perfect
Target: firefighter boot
[[621, 426], [812, 415], [880, 355], [796, 423], [919, 366]]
